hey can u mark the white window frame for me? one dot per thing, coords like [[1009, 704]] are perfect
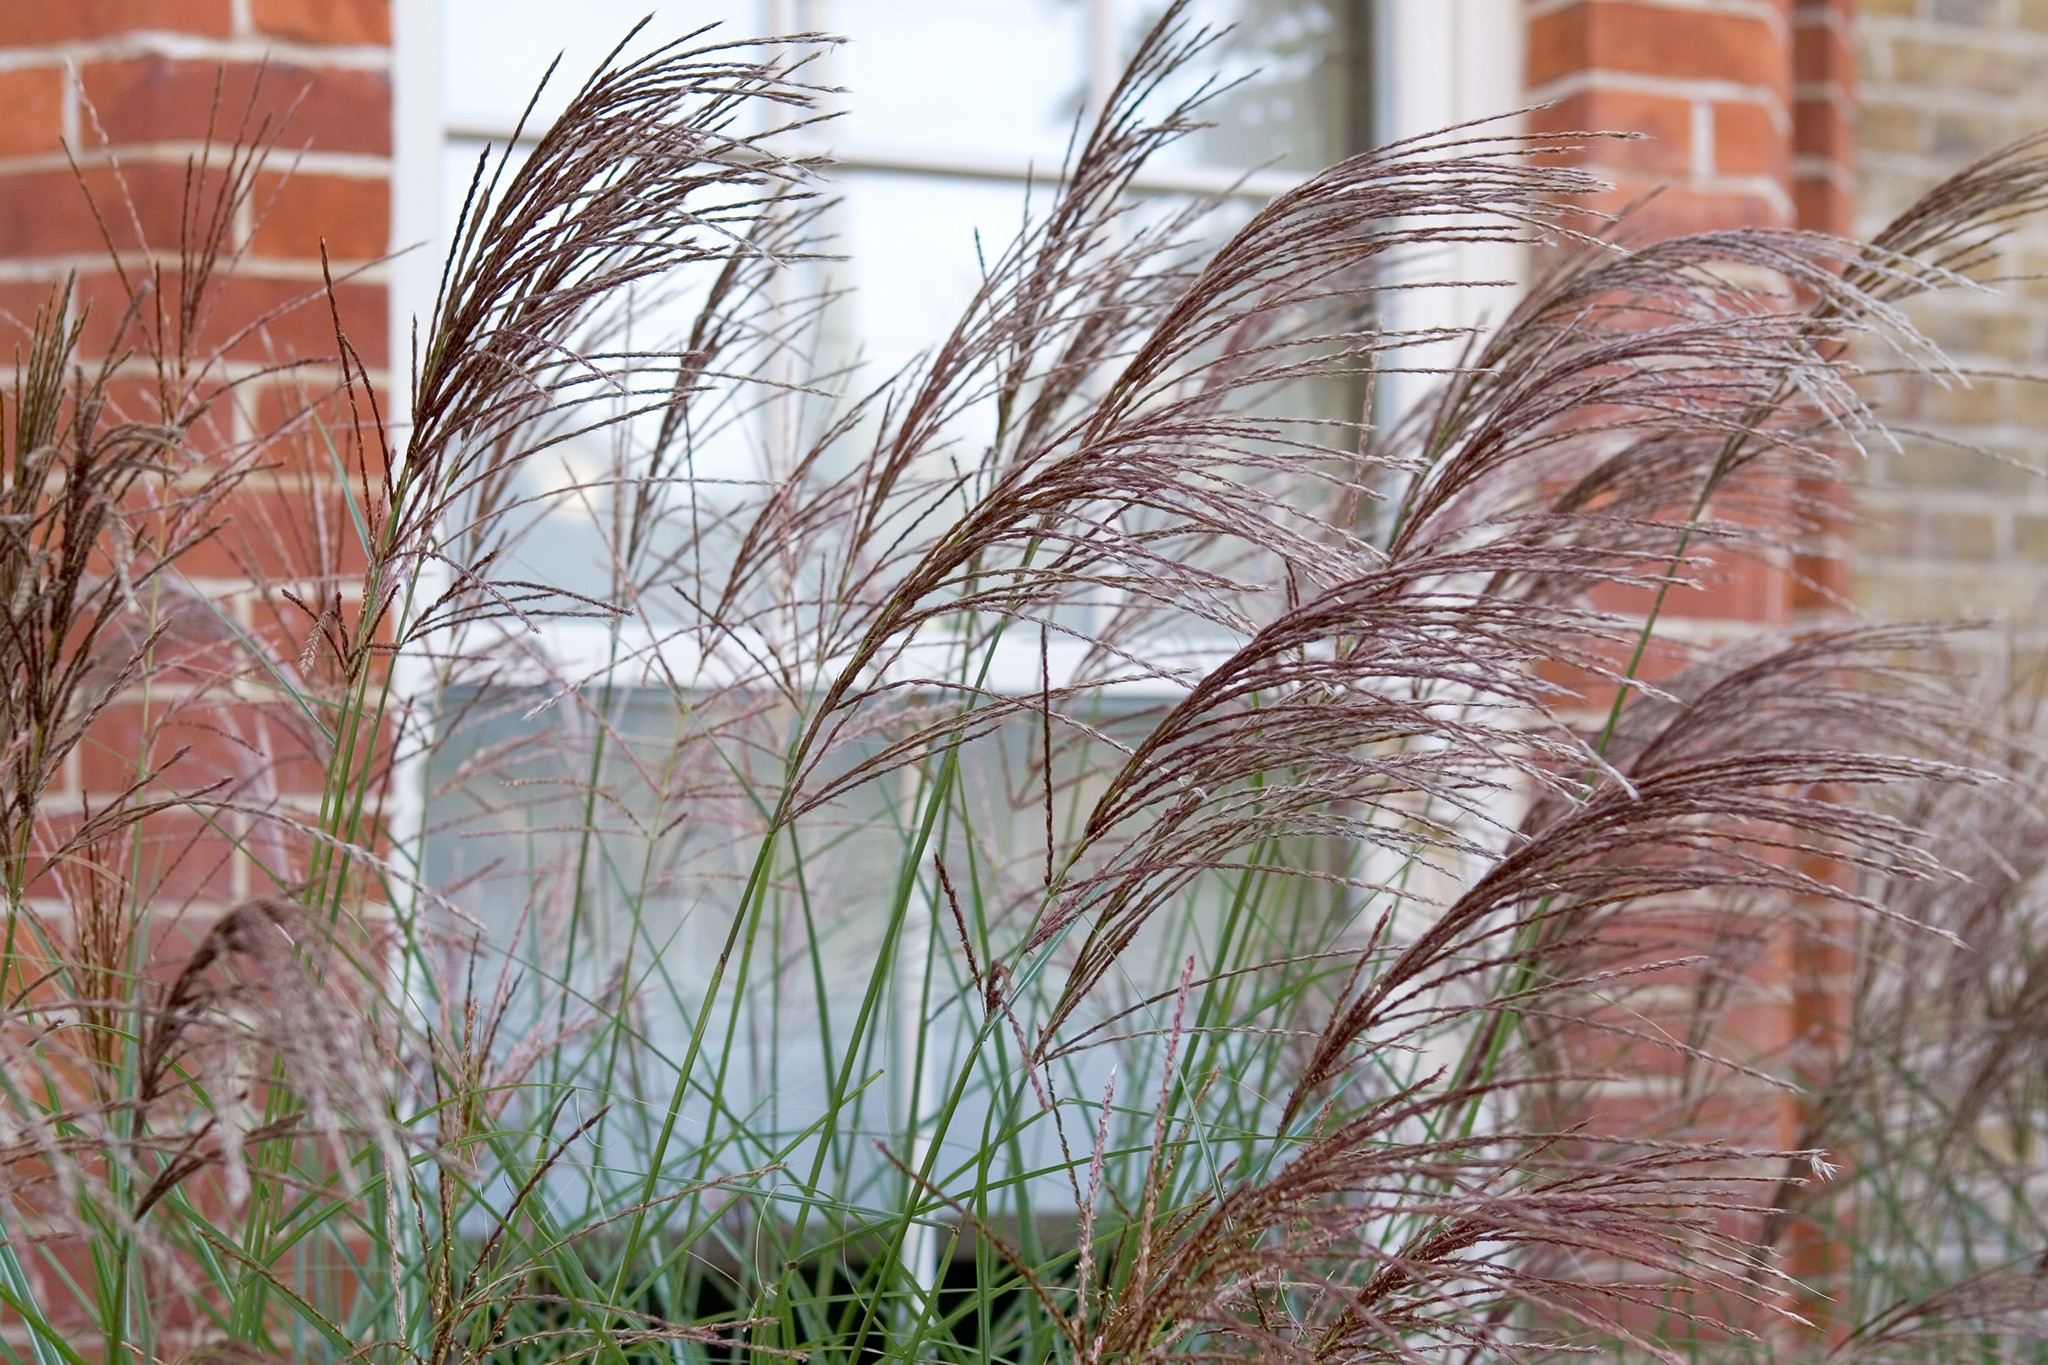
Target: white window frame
[[1433, 64]]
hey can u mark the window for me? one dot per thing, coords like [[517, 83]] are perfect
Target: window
[[550, 818], [602, 841], [950, 106]]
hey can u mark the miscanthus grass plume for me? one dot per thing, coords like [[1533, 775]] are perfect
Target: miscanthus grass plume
[[1100, 845]]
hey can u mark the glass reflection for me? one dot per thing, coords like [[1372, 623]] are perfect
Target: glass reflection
[[1295, 104], [980, 79], [494, 52], [997, 80]]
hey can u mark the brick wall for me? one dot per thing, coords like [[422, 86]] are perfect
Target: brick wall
[[1745, 116], [1708, 88], [141, 91], [1948, 530], [1744, 113], [1744, 108]]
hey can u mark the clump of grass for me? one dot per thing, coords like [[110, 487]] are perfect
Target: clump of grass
[[1927, 1071], [1090, 848]]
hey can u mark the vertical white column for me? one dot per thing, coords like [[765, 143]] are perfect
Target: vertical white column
[[779, 434], [1105, 57], [416, 137], [1440, 63], [413, 275], [411, 278]]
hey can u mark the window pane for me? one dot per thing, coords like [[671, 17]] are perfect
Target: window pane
[[1000, 80], [970, 78], [601, 842], [493, 52], [914, 247], [1297, 104], [606, 860]]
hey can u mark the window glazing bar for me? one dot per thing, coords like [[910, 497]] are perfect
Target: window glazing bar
[[1258, 185]]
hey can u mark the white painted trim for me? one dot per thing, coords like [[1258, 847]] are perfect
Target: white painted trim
[[1008, 169], [1436, 63], [416, 137], [412, 277], [1447, 61], [1440, 63]]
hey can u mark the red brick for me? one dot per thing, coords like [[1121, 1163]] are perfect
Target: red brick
[[273, 320], [108, 326], [1665, 125], [1749, 141], [180, 858], [324, 21], [1650, 39], [1723, 586], [197, 744], [250, 317], [31, 110], [1824, 53], [175, 857], [350, 214], [1558, 44], [59, 1265], [1633, 1037], [27, 22], [193, 745], [1682, 209], [1606, 42], [134, 397], [303, 538], [157, 99], [1765, 1120], [59, 213], [1825, 11], [47, 213], [19, 301], [1825, 128], [1824, 206], [307, 420], [1595, 693]]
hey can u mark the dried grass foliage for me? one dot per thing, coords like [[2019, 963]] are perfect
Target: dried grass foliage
[[1398, 703]]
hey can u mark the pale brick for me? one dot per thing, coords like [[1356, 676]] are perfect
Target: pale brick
[[2030, 403], [1882, 531], [1930, 464], [1895, 185], [2003, 592], [1891, 128], [31, 100], [2008, 335], [1922, 592], [1909, 593], [1966, 403], [1967, 136], [1961, 535], [1960, 66], [2030, 535]]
